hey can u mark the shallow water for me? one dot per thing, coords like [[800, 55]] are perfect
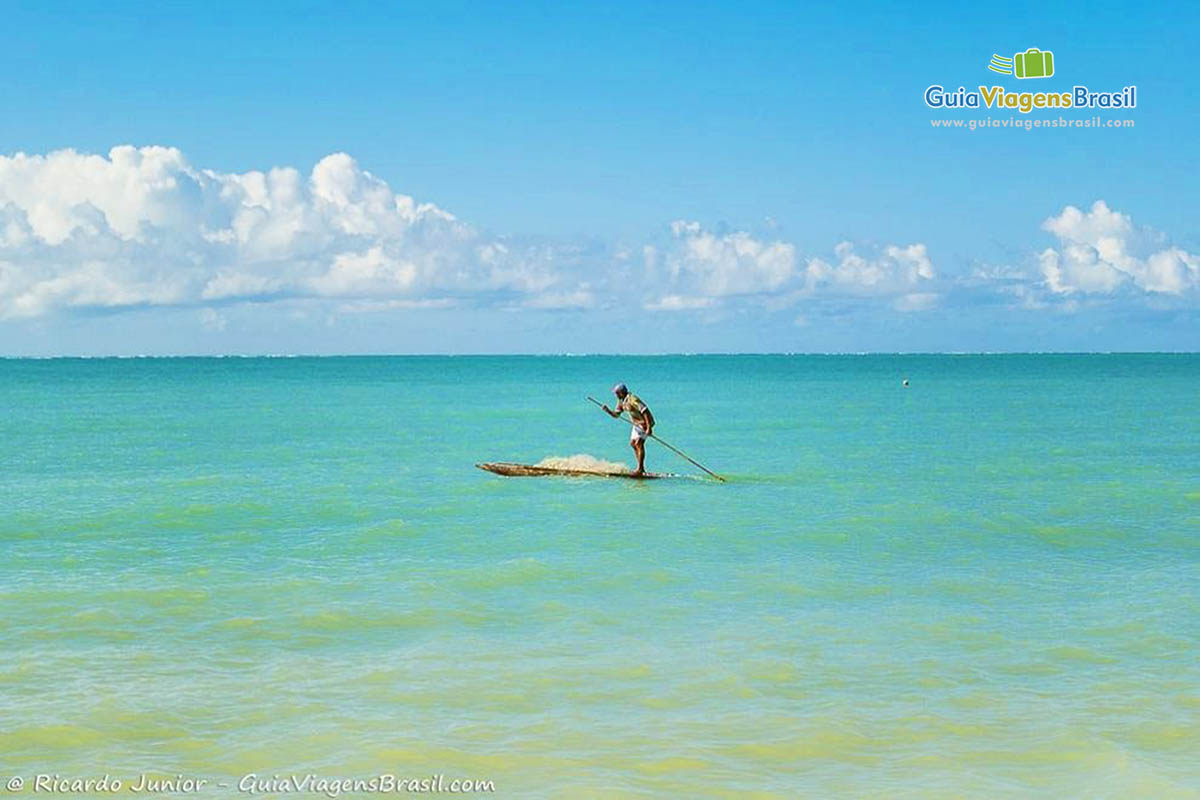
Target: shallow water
[[984, 584]]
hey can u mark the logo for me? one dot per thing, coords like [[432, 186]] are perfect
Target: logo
[[1033, 63]]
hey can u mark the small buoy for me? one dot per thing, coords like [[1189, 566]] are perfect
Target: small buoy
[[904, 382]]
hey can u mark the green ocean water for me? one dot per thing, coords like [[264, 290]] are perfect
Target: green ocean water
[[986, 584]]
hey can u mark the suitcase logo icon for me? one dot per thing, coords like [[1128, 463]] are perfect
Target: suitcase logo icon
[[1033, 63]]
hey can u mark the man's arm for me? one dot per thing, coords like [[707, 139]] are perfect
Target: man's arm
[[649, 418], [611, 413]]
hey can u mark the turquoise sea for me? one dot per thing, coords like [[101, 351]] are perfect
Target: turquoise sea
[[986, 584]]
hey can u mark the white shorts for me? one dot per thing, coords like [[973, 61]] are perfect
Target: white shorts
[[636, 434]]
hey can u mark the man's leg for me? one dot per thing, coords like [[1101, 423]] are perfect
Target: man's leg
[[639, 448]]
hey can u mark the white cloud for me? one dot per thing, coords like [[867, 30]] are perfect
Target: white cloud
[[226, 284], [1100, 251], [676, 302], [699, 268], [893, 270], [143, 226], [713, 265], [365, 274]]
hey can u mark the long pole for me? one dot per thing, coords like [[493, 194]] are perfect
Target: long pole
[[670, 447]]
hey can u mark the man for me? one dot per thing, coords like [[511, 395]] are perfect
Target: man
[[643, 422]]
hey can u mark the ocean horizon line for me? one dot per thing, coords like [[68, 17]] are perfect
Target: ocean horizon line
[[665, 354]]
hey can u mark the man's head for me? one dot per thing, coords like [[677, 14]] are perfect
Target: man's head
[[620, 390]]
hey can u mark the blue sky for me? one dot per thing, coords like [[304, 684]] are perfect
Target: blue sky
[[570, 138]]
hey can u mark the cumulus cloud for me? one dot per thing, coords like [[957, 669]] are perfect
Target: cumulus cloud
[[727, 264], [892, 270], [1100, 251], [701, 268], [143, 226]]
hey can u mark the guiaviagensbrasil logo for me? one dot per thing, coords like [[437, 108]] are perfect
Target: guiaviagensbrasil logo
[[1030, 63], [1033, 63]]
